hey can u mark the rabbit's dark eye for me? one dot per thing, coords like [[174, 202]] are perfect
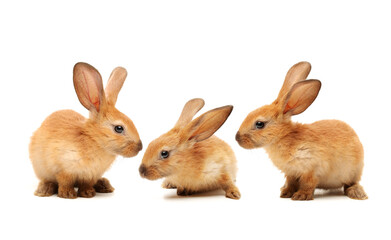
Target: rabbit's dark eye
[[164, 154], [259, 125], [118, 129]]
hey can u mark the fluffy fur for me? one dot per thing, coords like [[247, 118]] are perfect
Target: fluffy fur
[[197, 161], [70, 151], [325, 154]]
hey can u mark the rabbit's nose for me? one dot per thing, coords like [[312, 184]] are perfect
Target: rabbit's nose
[[140, 146], [142, 169], [237, 137]]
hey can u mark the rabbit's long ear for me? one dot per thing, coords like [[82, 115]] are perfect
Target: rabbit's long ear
[[301, 96], [88, 86], [115, 83], [296, 73], [206, 125], [189, 110]]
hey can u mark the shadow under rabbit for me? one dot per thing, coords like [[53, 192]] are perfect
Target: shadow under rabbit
[[327, 194], [214, 193]]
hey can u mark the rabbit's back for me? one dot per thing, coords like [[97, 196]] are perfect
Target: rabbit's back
[[206, 164], [341, 154], [330, 149], [54, 143]]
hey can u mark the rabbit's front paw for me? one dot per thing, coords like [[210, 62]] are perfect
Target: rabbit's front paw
[[67, 193], [86, 192], [356, 191], [184, 192], [46, 189], [233, 193], [103, 186], [168, 185], [286, 192], [302, 195]]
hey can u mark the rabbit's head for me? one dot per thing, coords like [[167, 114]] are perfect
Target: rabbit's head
[[268, 124], [177, 150], [108, 127]]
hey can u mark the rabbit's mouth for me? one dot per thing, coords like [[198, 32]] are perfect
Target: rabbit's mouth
[[150, 173], [245, 141], [131, 149]]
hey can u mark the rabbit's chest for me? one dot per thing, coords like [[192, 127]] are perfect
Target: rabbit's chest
[[87, 167], [302, 160], [98, 165], [202, 179]]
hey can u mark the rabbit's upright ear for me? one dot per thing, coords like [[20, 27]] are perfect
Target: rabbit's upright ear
[[301, 96], [115, 83], [189, 110], [88, 86], [207, 124], [296, 73]]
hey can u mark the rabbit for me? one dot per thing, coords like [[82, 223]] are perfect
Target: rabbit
[[70, 151], [326, 154], [189, 157]]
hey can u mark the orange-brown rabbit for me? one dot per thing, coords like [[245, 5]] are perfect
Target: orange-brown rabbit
[[325, 154], [189, 157], [70, 151]]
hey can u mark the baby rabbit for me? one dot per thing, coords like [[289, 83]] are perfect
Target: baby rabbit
[[326, 154], [70, 151], [189, 157]]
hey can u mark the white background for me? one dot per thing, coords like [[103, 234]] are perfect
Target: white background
[[226, 52]]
